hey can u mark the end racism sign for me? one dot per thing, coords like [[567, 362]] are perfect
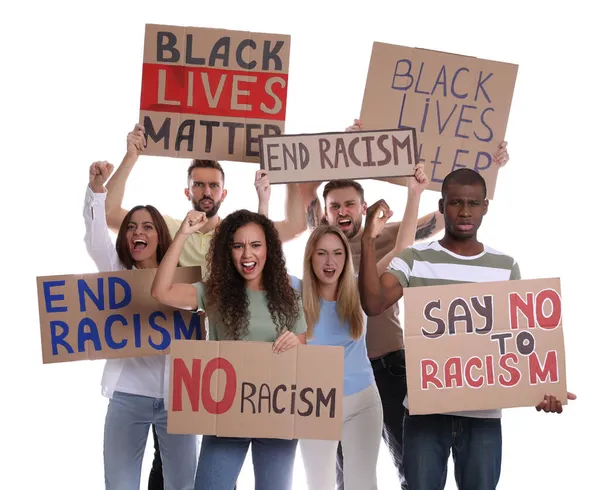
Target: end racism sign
[[243, 389], [484, 346], [459, 106], [110, 315], [348, 155], [209, 93]]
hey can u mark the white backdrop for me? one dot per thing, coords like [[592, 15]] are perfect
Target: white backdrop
[[70, 93]]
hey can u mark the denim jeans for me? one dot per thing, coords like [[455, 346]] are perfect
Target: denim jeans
[[390, 376], [476, 446], [128, 421], [221, 459]]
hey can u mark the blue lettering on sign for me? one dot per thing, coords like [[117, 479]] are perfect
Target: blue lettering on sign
[[84, 289], [189, 332], [399, 75], [110, 341], [113, 282], [49, 297], [163, 331], [58, 338], [91, 335]]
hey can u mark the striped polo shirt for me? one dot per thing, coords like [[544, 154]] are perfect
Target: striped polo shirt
[[430, 264]]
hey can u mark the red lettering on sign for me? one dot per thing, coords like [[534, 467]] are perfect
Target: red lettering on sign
[[213, 92], [209, 403], [181, 376], [538, 373], [429, 370], [551, 321], [516, 304], [514, 374], [471, 363], [453, 372]]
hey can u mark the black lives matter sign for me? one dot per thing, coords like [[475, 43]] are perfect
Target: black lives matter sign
[[210, 93]]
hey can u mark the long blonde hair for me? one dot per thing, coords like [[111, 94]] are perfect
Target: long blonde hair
[[348, 299]]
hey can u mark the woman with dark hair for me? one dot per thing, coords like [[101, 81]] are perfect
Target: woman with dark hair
[[136, 386], [247, 296]]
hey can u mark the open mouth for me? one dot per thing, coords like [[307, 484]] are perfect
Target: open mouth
[[206, 202], [139, 245], [329, 272], [248, 267], [344, 222]]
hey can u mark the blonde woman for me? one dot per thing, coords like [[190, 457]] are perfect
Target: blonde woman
[[334, 317]]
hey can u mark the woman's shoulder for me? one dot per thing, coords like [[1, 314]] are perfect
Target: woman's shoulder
[[296, 283]]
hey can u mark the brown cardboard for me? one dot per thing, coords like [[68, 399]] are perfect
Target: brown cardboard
[[341, 155], [209, 93], [119, 325], [232, 405], [459, 123], [511, 384]]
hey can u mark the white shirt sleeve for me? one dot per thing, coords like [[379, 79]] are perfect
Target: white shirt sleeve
[[98, 243]]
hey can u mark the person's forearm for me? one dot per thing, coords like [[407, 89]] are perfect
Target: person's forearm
[[294, 214], [165, 275], [263, 207], [311, 207], [368, 279], [429, 225], [116, 190], [408, 227]]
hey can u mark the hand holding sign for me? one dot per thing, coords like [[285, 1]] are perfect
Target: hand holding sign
[[262, 186], [286, 341], [377, 216], [192, 222], [419, 182], [501, 155], [551, 405], [136, 141], [357, 126], [99, 174]]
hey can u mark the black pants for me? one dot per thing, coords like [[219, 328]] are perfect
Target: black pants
[[155, 481], [390, 376]]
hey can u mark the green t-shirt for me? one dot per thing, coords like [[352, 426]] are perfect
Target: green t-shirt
[[261, 327]]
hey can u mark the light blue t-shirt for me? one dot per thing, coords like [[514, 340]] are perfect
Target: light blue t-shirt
[[330, 330]]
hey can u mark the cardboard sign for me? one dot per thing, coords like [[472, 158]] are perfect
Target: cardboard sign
[[347, 155], [480, 346], [243, 389], [110, 315], [459, 106], [210, 93]]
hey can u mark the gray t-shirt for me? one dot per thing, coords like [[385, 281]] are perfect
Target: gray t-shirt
[[261, 327]]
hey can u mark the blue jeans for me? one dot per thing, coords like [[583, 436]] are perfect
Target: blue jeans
[[221, 459], [476, 446], [126, 428]]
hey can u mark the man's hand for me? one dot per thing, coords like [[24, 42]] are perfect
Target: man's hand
[[377, 216], [285, 341], [357, 126], [136, 141], [419, 182], [262, 186], [192, 223], [501, 156], [99, 174], [551, 405]]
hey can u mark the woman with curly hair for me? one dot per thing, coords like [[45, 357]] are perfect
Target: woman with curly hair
[[248, 295]]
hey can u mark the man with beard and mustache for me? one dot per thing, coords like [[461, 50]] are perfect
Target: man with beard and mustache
[[345, 207], [205, 191]]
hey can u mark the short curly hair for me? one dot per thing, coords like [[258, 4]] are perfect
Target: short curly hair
[[226, 289]]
